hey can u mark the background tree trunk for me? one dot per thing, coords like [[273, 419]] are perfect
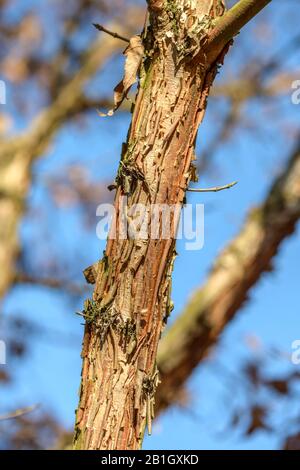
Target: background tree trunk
[[132, 293], [17, 155]]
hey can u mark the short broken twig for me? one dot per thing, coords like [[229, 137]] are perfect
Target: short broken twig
[[214, 189], [111, 33]]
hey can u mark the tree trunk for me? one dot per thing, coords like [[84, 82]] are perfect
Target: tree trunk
[[132, 295]]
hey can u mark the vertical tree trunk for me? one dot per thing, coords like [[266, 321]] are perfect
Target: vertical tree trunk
[[235, 271], [132, 294]]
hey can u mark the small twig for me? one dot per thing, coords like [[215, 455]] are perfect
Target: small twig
[[18, 413], [111, 33], [215, 189]]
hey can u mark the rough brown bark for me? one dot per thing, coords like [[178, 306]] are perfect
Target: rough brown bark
[[18, 154], [235, 271], [132, 295]]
